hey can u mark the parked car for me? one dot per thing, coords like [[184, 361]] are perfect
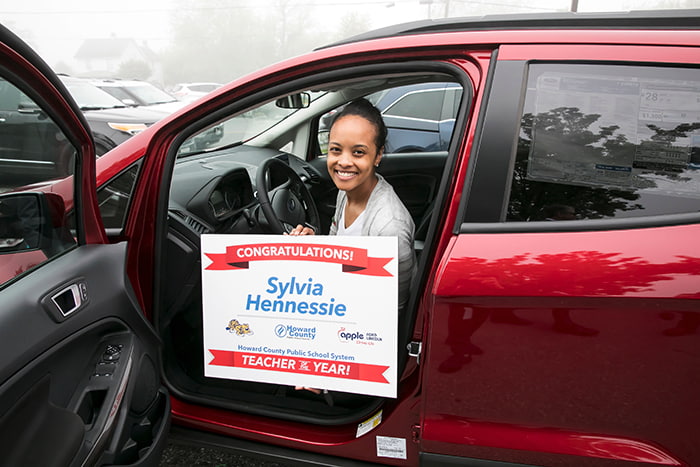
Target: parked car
[[147, 96], [112, 122], [419, 117], [554, 316], [136, 93], [30, 149], [190, 92]]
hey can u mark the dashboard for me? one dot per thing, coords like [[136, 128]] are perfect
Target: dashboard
[[233, 192], [215, 192]]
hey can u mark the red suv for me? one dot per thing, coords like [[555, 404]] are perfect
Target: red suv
[[555, 313]]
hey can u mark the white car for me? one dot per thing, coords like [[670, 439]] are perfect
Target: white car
[[189, 92], [135, 93]]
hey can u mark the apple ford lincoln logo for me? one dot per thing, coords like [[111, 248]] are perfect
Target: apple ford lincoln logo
[[291, 204]]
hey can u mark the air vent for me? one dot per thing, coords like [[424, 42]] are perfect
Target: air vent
[[178, 214], [196, 225]]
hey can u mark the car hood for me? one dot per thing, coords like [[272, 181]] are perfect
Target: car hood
[[126, 114], [167, 107]]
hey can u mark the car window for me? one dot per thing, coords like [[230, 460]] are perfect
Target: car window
[[119, 93], [420, 104], [419, 117], [601, 141], [90, 97], [238, 129], [33, 150], [143, 94], [450, 106], [113, 198]]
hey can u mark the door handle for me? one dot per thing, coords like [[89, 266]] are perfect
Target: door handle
[[67, 300]]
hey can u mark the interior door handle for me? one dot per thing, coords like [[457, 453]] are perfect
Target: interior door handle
[[66, 300]]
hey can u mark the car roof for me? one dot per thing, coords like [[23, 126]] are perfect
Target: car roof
[[647, 19]]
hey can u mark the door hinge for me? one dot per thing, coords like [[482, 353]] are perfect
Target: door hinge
[[414, 349], [415, 433]]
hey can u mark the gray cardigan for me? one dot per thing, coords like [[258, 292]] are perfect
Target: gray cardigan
[[386, 216]]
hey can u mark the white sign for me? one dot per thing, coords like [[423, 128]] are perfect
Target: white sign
[[314, 311]]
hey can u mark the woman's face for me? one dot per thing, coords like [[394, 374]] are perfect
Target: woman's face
[[353, 154]]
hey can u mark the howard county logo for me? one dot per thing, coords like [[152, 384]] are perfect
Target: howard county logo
[[287, 331], [240, 329]]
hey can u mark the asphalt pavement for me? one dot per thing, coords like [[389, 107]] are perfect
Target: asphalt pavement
[[183, 455]]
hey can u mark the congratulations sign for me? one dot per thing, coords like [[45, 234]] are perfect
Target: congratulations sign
[[302, 311]]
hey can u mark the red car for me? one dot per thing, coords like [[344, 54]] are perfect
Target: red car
[[555, 316]]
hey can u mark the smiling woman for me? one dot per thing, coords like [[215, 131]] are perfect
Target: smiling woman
[[550, 166], [256, 141]]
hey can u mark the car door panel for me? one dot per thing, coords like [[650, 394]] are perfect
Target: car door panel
[[556, 338], [88, 382], [79, 364], [575, 337]]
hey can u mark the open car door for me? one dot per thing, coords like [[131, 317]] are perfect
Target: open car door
[[79, 370]]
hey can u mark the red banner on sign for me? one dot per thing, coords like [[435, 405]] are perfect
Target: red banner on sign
[[353, 260], [300, 365]]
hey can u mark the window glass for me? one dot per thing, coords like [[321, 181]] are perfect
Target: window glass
[[607, 142], [453, 96], [117, 92], [203, 87], [113, 198], [237, 129], [419, 117], [33, 150], [423, 104], [147, 94]]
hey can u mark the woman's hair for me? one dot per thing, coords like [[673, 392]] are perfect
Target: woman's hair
[[363, 108]]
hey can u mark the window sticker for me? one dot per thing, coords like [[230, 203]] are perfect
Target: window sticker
[[391, 447], [634, 133]]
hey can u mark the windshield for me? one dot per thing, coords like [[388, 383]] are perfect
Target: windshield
[[145, 94], [91, 97], [246, 126], [203, 87]]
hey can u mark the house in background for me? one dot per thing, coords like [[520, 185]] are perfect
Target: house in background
[[106, 57]]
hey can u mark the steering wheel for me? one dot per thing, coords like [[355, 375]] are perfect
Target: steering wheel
[[286, 204]]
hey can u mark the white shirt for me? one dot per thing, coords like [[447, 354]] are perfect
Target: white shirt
[[354, 229]]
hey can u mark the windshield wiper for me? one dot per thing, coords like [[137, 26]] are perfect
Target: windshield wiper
[[98, 107]]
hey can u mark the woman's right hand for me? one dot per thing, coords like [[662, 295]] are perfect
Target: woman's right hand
[[302, 230]]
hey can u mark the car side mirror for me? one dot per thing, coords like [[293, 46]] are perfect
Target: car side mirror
[[32, 221], [295, 101], [323, 137]]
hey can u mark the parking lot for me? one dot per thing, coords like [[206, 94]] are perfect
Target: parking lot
[[179, 454]]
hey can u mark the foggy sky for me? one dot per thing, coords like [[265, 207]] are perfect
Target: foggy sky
[[57, 29]]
